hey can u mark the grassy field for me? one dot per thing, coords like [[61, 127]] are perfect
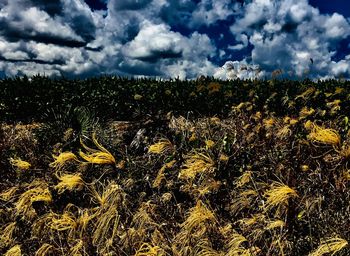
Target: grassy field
[[141, 167]]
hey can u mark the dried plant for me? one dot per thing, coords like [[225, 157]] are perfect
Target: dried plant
[[45, 249], [14, 251], [62, 159], [20, 164], [161, 147], [96, 156], [196, 163], [69, 182], [278, 196], [323, 135], [6, 237], [39, 193], [330, 246]]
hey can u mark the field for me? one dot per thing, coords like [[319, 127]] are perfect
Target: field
[[113, 166]]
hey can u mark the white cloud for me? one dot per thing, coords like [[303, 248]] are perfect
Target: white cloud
[[142, 38], [287, 34], [238, 70], [154, 41], [210, 11]]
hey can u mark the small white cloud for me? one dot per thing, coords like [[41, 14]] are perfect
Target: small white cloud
[[153, 42], [238, 70]]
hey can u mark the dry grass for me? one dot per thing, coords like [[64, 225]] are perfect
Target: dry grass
[[149, 250], [96, 156], [8, 194], [6, 235], [14, 251], [330, 246], [62, 159], [278, 196], [39, 193], [20, 164], [323, 135], [161, 147], [69, 182], [45, 249], [196, 163], [197, 218]]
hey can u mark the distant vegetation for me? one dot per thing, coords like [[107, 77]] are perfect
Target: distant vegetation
[[112, 166]]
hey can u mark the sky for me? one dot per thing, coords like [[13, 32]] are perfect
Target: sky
[[184, 39]]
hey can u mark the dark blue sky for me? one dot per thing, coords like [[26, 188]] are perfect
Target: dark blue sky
[[173, 38], [331, 6]]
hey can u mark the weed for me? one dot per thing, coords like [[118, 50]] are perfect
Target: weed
[[96, 156], [330, 246]]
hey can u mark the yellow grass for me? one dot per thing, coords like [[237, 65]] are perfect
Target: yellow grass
[[275, 224], [305, 95], [161, 176], [244, 179], [161, 147], [148, 250], [196, 163], [44, 250], [39, 192], [305, 112], [20, 164], [278, 195], [330, 246], [197, 218], [69, 182], [96, 156], [62, 159], [14, 251], [322, 135], [8, 194], [209, 144], [77, 249], [6, 235]]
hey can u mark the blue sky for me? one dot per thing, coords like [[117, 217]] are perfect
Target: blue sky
[[175, 38]]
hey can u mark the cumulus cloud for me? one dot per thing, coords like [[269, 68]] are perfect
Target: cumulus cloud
[[294, 36], [239, 70], [154, 42], [170, 38]]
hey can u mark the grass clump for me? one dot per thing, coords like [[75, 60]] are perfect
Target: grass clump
[[96, 156], [322, 135], [330, 246]]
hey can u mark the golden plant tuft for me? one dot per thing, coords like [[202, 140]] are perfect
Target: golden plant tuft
[[330, 246], [209, 144], [38, 192], [305, 112], [278, 195], [14, 251], [196, 163], [197, 219], [62, 159], [161, 147], [20, 164], [161, 176], [245, 178], [322, 135], [44, 250], [77, 249], [147, 249], [69, 182], [6, 235], [8, 194], [96, 156]]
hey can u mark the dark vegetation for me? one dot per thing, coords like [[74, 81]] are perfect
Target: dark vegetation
[[112, 166]]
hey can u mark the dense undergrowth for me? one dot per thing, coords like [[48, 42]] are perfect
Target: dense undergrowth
[[227, 168]]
